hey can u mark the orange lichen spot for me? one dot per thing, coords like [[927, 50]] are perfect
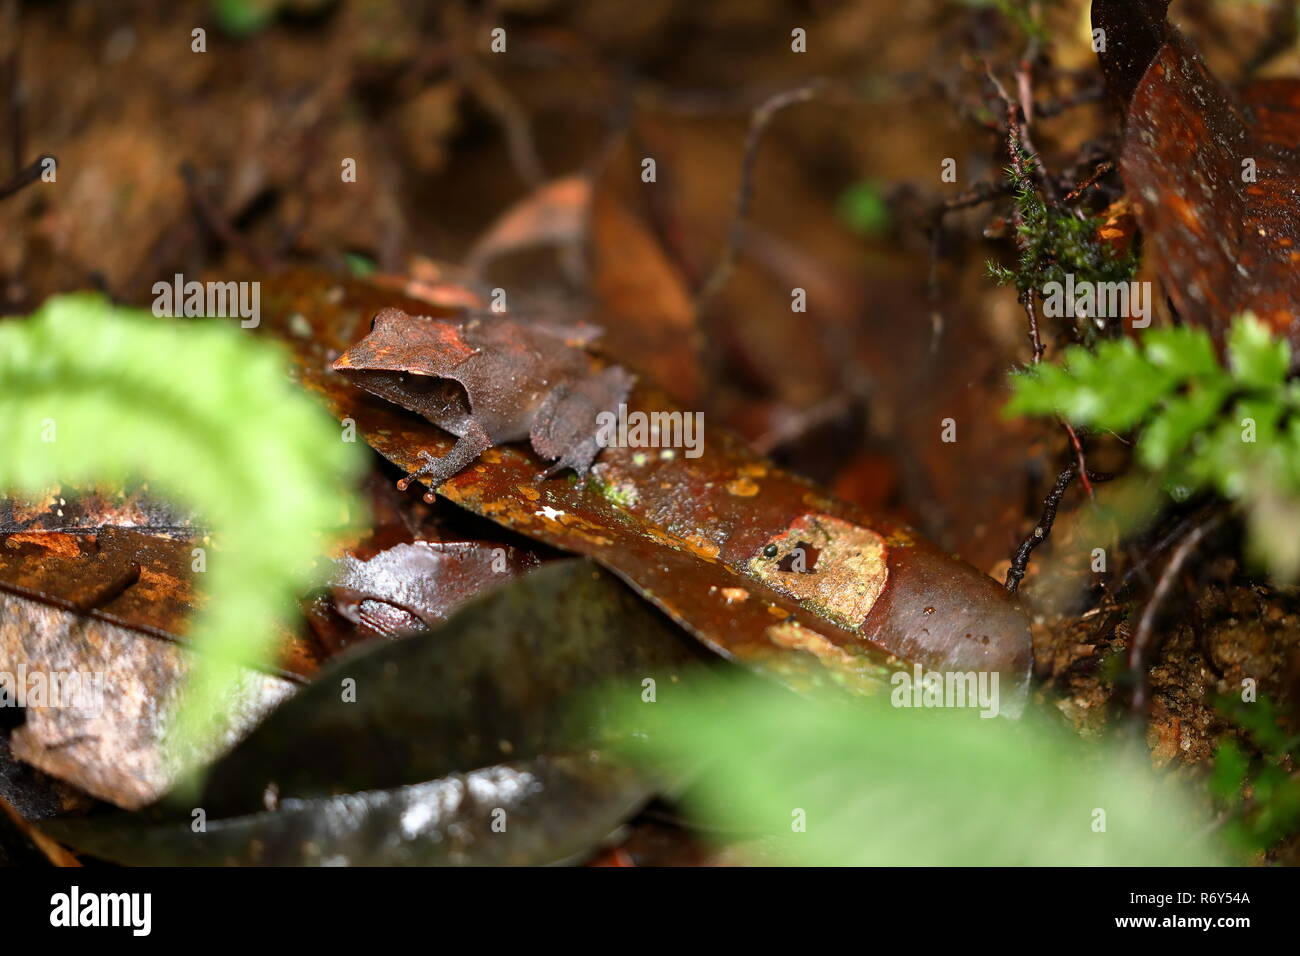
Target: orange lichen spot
[[699, 545], [742, 488], [55, 542]]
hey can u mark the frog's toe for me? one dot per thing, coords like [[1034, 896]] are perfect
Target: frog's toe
[[551, 471], [430, 464]]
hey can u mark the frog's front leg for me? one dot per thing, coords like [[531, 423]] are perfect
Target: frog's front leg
[[468, 447]]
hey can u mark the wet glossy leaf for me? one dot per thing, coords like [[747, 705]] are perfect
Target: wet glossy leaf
[[701, 537], [409, 588], [404, 752], [545, 810], [495, 683], [137, 580], [642, 299]]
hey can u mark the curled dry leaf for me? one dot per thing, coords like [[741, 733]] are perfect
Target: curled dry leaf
[[497, 682], [1214, 175], [687, 532], [642, 298], [553, 214]]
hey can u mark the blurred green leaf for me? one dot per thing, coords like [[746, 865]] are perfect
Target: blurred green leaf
[[360, 266], [1273, 809], [1230, 766], [1182, 351], [1258, 360], [241, 18], [878, 785], [91, 392], [864, 209]]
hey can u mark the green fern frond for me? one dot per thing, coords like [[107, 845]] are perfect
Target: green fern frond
[[94, 393], [1232, 428]]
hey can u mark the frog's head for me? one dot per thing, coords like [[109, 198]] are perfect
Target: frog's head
[[400, 342], [411, 361]]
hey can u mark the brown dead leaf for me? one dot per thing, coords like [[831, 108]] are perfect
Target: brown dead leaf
[[642, 299], [108, 742], [554, 214], [1214, 176]]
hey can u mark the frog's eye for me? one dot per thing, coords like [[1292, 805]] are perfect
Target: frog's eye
[[770, 551]]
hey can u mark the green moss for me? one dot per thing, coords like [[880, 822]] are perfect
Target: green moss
[[1054, 243], [622, 494]]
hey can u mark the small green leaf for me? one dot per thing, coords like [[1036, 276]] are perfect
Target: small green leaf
[[1260, 719], [242, 18], [1230, 766], [1173, 427], [1258, 360], [1201, 426], [359, 265], [864, 209], [1184, 351]]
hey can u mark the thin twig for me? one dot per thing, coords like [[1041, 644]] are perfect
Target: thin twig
[[758, 123], [1035, 337], [491, 93], [1019, 143], [1079, 458], [1088, 94], [1101, 170], [1042, 530], [1019, 146], [25, 176], [217, 221], [1143, 644], [1020, 563], [510, 116], [977, 195]]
